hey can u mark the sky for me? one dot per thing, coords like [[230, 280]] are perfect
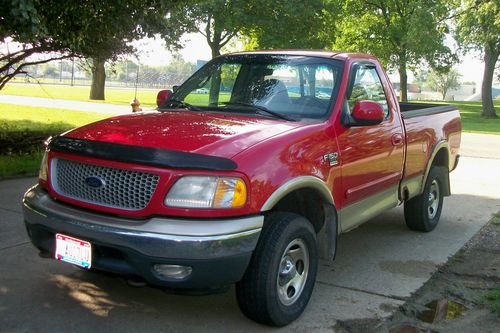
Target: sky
[[154, 53]]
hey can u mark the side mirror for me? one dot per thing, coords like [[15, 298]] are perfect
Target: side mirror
[[163, 96], [367, 113], [174, 88]]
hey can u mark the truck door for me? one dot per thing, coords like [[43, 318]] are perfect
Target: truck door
[[371, 156]]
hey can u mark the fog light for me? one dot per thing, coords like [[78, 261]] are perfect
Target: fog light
[[173, 271]]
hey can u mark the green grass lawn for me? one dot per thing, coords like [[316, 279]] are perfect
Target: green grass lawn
[[18, 123], [472, 120], [81, 93], [470, 111]]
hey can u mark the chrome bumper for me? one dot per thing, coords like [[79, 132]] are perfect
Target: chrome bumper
[[154, 237]]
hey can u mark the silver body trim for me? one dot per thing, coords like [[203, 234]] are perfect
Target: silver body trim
[[355, 214], [159, 237], [412, 185]]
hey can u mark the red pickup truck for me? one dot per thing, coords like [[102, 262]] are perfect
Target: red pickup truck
[[247, 173]]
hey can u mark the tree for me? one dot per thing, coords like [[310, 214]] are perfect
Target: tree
[[60, 29], [270, 24], [478, 28], [443, 81], [291, 24], [217, 20], [401, 33]]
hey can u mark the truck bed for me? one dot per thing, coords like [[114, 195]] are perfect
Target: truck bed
[[410, 110], [427, 126]]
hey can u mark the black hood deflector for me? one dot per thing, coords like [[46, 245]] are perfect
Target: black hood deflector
[[141, 155]]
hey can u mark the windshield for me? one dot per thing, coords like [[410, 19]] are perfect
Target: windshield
[[289, 87]]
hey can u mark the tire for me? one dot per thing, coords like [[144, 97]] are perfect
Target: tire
[[280, 278], [422, 212]]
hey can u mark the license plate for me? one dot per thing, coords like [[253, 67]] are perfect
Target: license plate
[[73, 250]]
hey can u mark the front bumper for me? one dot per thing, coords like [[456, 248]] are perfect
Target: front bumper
[[217, 250]]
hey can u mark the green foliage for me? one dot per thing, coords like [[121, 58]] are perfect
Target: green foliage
[[478, 25], [496, 220], [401, 33], [23, 165], [265, 24], [282, 24], [478, 28], [23, 130], [218, 20], [470, 112], [397, 31], [64, 28], [493, 298], [442, 81]]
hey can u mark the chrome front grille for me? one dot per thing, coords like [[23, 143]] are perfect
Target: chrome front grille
[[105, 186]]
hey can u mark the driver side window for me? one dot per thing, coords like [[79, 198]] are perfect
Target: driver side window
[[368, 86]]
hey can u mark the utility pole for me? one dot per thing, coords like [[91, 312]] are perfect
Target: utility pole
[[72, 71], [60, 71]]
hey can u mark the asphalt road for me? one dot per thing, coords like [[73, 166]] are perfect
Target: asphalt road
[[378, 266]]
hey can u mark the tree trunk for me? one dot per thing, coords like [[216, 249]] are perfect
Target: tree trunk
[[98, 79], [215, 47], [403, 82], [490, 59]]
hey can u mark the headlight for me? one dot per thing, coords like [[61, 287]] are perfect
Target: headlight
[[207, 192], [44, 168]]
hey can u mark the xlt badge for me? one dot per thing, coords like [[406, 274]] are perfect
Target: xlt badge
[[331, 158]]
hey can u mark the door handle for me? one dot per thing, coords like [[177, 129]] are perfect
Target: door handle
[[397, 139]]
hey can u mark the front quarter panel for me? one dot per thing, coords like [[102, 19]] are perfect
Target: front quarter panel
[[298, 153]]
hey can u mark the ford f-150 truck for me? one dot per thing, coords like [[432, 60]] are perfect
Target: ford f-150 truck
[[247, 173]]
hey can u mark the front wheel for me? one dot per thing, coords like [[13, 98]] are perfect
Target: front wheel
[[279, 281], [422, 212]]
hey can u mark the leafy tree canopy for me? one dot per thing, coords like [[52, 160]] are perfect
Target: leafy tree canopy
[[478, 28], [92, 28], [401, 33], [269, 24], [443, 82]]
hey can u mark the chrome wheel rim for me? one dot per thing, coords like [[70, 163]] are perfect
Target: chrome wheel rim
[[433, 200], [292, 272]]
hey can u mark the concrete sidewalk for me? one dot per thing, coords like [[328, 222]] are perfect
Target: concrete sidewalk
[[378, 266], [112, 109]]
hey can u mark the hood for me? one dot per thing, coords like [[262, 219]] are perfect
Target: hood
[[209, 133]]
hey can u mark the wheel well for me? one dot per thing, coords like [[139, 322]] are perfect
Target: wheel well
[[306, 202], [441, 158]]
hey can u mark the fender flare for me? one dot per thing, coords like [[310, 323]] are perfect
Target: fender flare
[[443, 144], [296, 184], [327, 236]]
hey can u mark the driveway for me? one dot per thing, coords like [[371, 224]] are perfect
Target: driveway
[[378, 266]]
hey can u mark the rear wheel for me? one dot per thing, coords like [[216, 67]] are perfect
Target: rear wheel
[[422, 212], [280, 278]]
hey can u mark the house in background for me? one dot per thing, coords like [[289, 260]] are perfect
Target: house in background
[[466, 92]]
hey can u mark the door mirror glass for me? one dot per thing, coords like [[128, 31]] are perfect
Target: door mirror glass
[[367, 113], [163, 96]]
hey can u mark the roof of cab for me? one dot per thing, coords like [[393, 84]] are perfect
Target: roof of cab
[[309, 53]]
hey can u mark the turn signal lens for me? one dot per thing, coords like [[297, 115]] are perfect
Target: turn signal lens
[[230, 193], [44, 168]]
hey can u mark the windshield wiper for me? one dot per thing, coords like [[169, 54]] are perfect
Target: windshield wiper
[[261, 109], [182, 104]]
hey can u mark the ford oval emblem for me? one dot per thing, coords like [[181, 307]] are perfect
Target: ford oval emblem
[[95, 182]]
